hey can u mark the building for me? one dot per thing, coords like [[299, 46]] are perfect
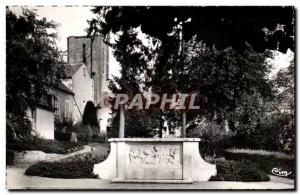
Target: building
[[42, 120], [63, 101], [82, 85], [87, 81], [93, 53]]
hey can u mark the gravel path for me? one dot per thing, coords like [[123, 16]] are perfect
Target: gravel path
[[17, 180]]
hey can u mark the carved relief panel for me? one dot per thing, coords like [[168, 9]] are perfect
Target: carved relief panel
[[154, 154]]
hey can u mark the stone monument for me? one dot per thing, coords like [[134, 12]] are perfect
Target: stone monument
[[155, 160]]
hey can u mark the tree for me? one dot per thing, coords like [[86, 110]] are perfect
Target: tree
[[262, 27], [90, 115], [217, 52], [34, 63], [138, 124]]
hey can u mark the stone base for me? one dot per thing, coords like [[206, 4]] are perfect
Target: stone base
[[142, 160]]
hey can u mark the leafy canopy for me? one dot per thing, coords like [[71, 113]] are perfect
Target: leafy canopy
[[34, 63]]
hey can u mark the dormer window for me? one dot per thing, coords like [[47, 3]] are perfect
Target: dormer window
[[84, 53]]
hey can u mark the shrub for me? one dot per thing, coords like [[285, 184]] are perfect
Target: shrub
[[17, 127], [60, 136], [265, 160], [47, 146], [78, 166], [75, 169], [90, 115], [63, 123], [239, 171], [86, 134]]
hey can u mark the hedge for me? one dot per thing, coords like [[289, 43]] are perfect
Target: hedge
[[78, 166], [76, 169], [239, 171], [265, 160]]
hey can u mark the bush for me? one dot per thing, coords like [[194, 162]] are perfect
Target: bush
[[239, 171], [47, 146], [78, 166], [17, 127], [87, 134], [75, 169], [90, 115], [60, 136], [63, 123], [265, 160]]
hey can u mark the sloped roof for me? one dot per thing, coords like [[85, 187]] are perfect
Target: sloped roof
[[73, 69], [64, 88]]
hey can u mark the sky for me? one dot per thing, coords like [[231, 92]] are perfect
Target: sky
[[73, 22]]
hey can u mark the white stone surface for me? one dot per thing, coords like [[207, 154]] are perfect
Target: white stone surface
[[155, 160]]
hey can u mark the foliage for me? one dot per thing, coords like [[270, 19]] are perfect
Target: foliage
[[284, 113], [217, 52], [33, 63], [89, 117], [76, 169], [215, 138], [264, 159], [62, 136], [185, 57], [245, 171], [17, 127], [138, 123], [78, 166], [47, 146], [86, 133], [267, 123], [63, 124], [217, 26]]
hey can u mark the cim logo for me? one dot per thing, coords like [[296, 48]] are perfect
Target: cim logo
[[280, 172]]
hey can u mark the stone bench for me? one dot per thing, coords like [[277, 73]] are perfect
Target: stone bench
[[153, 160]]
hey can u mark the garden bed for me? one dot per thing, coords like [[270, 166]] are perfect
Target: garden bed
[[266, 160]]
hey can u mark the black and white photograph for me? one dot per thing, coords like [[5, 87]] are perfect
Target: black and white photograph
[[149, 97]]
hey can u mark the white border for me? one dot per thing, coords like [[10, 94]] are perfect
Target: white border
[[113, 2]]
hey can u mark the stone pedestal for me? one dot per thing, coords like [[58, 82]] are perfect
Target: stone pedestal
[[174, 160]]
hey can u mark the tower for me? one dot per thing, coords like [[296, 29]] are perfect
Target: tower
[[93, 52]]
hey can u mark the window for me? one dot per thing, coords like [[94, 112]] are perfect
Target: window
[[84, 72], [67, 108], [84, 53], [57, 105]]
